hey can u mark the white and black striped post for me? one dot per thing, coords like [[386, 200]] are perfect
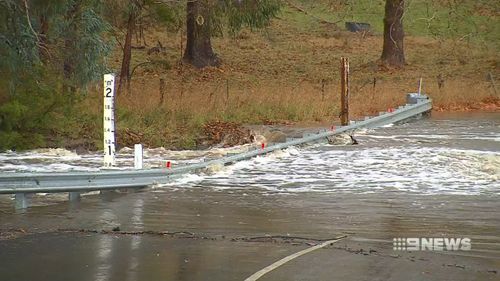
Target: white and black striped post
[[109, 120]]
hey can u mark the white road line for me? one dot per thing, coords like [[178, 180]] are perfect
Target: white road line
[[284, 260]]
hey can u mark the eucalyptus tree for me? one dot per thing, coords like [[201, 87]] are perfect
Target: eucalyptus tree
[[208, 18], [83, 30], [19, 43], [46, 48], [65, 38]]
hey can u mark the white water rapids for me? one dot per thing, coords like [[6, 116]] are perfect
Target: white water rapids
[[438, 155]]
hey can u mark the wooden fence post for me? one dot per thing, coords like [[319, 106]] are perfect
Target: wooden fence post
[[493, 83], [344, 91], [162, 90]]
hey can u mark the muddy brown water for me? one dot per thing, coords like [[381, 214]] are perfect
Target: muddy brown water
[[437, 177]]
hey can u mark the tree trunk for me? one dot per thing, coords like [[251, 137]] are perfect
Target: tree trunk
[[69, 48], [43, 47], [68, 68], [199, 50], [127, 53], [393, 52]]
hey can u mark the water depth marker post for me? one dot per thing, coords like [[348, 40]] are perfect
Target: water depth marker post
[[109, 120]]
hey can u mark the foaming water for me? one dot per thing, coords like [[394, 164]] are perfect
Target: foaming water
[[362, 170], [61, 160], [431, 156]]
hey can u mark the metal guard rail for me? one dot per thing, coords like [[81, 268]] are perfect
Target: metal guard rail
[[12, 183]]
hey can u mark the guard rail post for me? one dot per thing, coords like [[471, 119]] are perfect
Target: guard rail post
[[22, 201], [74, 196]]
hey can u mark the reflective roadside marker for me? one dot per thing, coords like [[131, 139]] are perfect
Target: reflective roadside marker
[[169, 165], [138, 156], [262, 145], [332, 128], [390, 110]]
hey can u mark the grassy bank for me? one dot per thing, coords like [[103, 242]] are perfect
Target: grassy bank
[[289, 73]]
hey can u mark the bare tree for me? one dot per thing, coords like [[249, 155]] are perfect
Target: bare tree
[[133, 10]]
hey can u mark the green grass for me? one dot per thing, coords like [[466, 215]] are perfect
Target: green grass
[[466, 20]]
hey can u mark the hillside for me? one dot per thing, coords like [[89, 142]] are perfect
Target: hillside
[[288, 73]]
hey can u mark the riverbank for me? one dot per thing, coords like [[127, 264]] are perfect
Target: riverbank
[[197, 121], [287, 73]]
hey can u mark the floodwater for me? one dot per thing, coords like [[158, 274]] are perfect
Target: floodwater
[[437, 177]]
